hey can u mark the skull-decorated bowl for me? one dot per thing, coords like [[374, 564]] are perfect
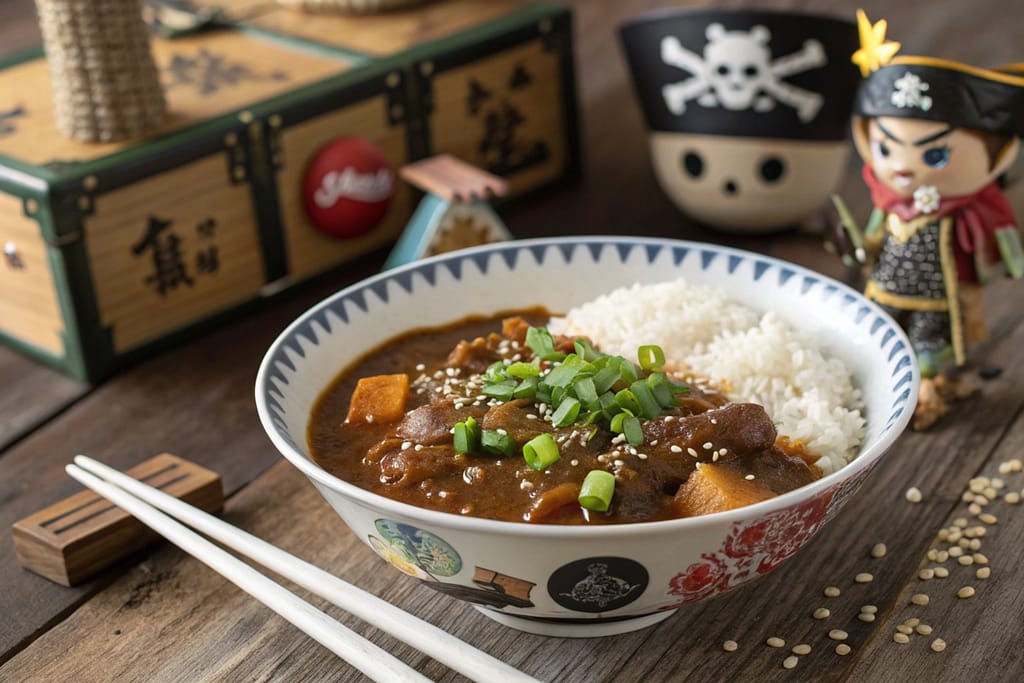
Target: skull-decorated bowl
[[748, 111], [582, 580]]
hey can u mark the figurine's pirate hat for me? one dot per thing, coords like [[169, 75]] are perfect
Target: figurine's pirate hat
[[989, 100], [754, 73]]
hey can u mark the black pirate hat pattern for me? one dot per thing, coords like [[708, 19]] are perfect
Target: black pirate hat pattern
[[743, 73], [990, 100]]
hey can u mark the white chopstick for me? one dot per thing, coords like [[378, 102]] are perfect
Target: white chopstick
[[353, 648], [425, 637]]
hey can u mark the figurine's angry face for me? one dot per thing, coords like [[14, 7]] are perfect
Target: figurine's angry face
[[906, 154], [747, 184]]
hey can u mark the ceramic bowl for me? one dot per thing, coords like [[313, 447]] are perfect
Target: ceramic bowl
[[576, 580], [748, 110]]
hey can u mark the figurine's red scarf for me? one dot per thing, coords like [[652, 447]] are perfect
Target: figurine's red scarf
[[976, 218]]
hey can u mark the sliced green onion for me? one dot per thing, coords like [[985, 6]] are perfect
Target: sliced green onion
[[650, 356], [627, 371], [633, 431], [605, 378], [539, 340], [501, 390], [628, 401], [649, 406], [497, 443], [541, 451], [564, 374], [662, 390], [585, 390], [466, 438], [495, 372], [522, 370], [566, 413], [608, 406], [527, 388], [615, 424], [585, 351], [597, 490]]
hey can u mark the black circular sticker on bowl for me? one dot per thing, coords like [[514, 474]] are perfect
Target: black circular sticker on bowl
[[598, 584]]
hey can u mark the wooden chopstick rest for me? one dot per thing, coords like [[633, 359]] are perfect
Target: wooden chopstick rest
[[72, 540]]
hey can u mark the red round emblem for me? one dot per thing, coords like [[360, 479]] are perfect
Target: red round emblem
[[348, 187]]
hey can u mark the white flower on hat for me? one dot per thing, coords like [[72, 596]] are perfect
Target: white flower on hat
[[910, 93], [926, 199]]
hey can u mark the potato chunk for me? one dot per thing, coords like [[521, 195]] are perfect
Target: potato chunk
[[380, 398], [715, 488]]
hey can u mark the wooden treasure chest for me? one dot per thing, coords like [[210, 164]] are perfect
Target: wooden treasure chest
[[111, 250]]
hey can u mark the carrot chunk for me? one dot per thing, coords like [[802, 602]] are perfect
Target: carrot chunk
[[380, 398], [714, 488]]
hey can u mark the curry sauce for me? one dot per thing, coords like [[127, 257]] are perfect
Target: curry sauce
[[701, 454]]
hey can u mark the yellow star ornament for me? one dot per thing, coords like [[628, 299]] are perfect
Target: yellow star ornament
[[875, 51]]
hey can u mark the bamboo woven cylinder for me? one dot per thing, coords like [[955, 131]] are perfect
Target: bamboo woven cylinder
[[105, 83]]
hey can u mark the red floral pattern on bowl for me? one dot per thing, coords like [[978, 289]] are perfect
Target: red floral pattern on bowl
[[755, 547]]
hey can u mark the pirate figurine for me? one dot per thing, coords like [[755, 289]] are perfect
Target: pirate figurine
[[934, 135]]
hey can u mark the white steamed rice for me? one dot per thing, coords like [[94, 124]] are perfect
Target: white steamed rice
[[749, 356]]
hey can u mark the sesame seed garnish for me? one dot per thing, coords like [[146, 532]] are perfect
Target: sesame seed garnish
[[938, 645], [878, 550], [775, 642], [707, 446], [789, 662], [418, 447], [801, 649], [832, 592], [749, 477], [730, 646], [864, 577], [838, 634], [574, 462], [842, 649], [406, 445], [901, 638], [983, 572], [675, 449], [914, 495], [822, 613], [919, 599], [692, 452], [965, 592]]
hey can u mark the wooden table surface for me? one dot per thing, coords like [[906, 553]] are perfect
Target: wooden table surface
[[163, 616]]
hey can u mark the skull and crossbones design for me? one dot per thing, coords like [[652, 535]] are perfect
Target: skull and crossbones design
[[737, 72]]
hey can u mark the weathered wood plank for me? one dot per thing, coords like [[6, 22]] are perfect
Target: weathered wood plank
[[32, 394]]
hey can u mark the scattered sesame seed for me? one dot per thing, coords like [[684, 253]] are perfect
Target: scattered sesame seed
[[878, 550], [904, 629], [974, 508], [866, 617], [926, 574], [965, 592], [707, 446], [901, 638], [406, 445], [932, 554], [749, 477], [965, 560], [919, 599], [983, 572], [730, 646], [941, 556], [838, 634], [775, 642], [1012, 497], [864, 577], [960, 522], [822, 613], [941, 572], [914, 495], [955, 551], [842, 649], [869, 609], [574, 462], [967, 497], [938, 645], [832, 592], [923, 629], [789, 662], [801, 649], [675, 449], [988, 518], [692, 452]]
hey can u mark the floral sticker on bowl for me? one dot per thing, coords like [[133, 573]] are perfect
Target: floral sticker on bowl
[[420, 548]]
